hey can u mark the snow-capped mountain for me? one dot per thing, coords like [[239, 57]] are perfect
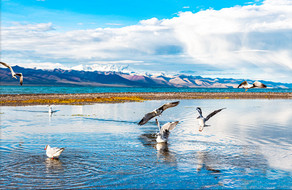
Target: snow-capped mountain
[[112, 76], [102, 67]]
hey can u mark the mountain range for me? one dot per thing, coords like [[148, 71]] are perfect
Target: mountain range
[[61, 77]]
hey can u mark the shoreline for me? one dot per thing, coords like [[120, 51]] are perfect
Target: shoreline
[[90, 98]]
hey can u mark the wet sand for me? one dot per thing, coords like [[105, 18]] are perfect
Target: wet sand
[[89, 98]]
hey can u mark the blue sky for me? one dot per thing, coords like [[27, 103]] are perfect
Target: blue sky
[[68, 14], [239, 39]]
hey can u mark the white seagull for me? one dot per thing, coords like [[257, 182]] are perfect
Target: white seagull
[[256, 84], [164, 131], [54, 152], [13, 73], [157, 112], [51, 111], [202, 120]]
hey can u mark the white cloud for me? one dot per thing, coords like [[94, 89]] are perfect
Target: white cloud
[[253, 40], [43, 65]]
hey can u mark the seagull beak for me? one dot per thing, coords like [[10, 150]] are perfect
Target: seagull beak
[[201, 129]]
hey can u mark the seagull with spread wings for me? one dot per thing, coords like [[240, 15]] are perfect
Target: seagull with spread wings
[[164, 131], [157, 112], [13, 73], [202, 120], [256, 84]]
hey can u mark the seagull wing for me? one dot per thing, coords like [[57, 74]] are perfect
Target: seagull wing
[[166, 128], [200, 111], [243, 83], [168, 105], [5, 64], [147, 117], [213, 113], [56, 152], [8, 66], [169, 126], [21, 77], [259, 84]]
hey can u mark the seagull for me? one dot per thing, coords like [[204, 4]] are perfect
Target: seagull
[[51, 111], [256, 84], [202, 120], [13, 73], [54, 152], [157, 112], [163, 134]]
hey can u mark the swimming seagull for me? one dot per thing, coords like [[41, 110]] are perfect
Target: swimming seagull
[[54, 152], [51, 111], [202, 120], [163, 134], [256, 84], [157, 112], [13, 73]]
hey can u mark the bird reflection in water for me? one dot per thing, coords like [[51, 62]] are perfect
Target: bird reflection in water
[[163, 152], [203, 163], [53, 165]]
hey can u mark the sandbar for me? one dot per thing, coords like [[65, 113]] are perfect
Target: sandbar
[[90, 98]]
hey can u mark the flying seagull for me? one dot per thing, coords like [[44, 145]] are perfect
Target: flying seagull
[[157, 112], [13, 73], [164, 131], [256, 84], [54, 152], [202, 120]]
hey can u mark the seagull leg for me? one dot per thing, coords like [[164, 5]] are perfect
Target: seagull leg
[[201, 129]]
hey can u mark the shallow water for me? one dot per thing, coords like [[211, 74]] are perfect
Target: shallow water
[[248, 145]]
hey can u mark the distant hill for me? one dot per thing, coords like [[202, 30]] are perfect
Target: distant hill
[[60, 77]]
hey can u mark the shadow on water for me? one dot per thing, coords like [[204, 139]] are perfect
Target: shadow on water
[[36, 111], [150, 123], [111, 120]]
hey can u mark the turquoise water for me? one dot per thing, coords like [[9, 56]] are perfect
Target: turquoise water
[[70, 90], [247, 146]]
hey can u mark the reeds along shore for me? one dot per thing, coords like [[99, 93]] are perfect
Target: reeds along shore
[[44, 99]]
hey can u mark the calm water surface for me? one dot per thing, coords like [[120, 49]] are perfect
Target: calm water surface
[[91, 89], [248, 145]]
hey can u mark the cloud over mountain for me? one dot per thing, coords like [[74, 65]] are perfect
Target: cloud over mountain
[[252, 41]]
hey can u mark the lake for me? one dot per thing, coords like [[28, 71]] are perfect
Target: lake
[[92, 89], [248, 145]]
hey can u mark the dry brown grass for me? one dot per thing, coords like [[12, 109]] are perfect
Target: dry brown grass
[[41, 99], [73, 100]]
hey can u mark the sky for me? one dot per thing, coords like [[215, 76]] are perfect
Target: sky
[[224, 39]]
